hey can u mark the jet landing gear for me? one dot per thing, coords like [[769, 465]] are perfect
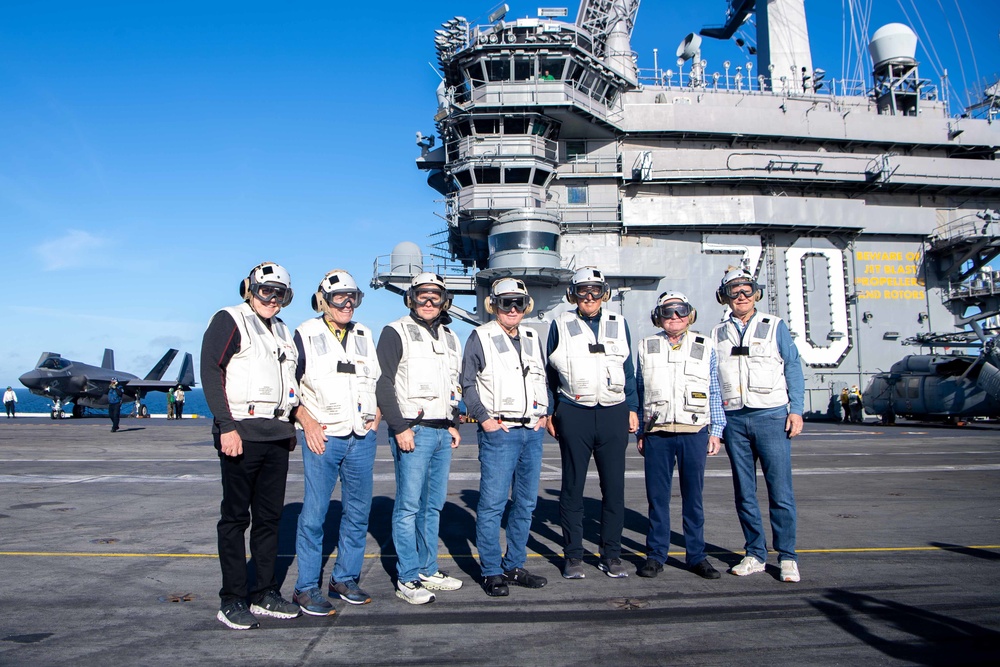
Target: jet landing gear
[[57, 410]]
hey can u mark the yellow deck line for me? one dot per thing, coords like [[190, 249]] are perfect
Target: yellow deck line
[[843, 550]]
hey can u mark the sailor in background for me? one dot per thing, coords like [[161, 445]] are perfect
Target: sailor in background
[[680, 420], [115, 392], [592, 378], [763, 394], [248, 362], [337, 423], [503, 385], [10, 402], [418, 394]]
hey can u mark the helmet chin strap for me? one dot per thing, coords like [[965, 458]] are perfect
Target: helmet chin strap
[[512, 331]]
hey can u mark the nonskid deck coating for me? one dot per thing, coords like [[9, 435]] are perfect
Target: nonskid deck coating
[[899, 541]]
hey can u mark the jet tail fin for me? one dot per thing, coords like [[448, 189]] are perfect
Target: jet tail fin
[[109, 359], [161, 366], [186, 376]]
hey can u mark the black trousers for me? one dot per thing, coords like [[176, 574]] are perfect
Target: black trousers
[[253, 494], [115, 412], [601, 432], [178, 409]]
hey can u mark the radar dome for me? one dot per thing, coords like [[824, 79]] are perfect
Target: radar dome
[[894, 41], [406, 259]]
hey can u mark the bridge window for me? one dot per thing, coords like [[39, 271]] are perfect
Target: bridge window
[[524, 69], [526, 240], [515, 125], [463, 177], [516, 174], [487, 125], [498, 70], [541, 176], [487, 175], [554, 67], [576, 150], [475, 74]]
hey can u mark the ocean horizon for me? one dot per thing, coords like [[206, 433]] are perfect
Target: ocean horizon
[[156, 402]]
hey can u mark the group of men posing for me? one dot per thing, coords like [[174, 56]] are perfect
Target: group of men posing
[[327, 386]]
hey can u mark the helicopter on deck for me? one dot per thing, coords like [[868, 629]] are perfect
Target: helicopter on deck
[[933, 387]]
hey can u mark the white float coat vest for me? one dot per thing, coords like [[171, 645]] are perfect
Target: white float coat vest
[[338, 384], [586, 377], [260, 378], [511, 386], [755, 379], [427, 376], [675, 382]]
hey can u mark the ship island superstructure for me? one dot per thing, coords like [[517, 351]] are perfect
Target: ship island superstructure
[[867, 212]]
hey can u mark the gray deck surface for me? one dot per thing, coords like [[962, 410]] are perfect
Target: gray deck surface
[[899, 547]]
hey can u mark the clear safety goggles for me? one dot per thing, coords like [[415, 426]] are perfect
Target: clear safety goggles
[[429, 296], [591, 290], [734, 290], [670, 310], [341, 300], [504, 304], [271, 293]]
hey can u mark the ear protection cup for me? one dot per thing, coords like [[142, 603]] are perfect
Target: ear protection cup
[[245, 288], [315, 302]]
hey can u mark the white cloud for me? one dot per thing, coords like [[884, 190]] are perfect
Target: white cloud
[[77, 249]]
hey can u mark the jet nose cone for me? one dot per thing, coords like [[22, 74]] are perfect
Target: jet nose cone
[[31, 379]]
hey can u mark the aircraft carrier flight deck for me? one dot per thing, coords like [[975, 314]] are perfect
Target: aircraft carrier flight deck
[[109, 557]]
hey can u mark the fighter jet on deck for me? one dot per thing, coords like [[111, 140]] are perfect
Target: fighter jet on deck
[[66, 381]]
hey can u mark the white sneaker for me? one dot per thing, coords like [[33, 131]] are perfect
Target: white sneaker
[[440, 581], [413, 592], [790, 571], [749, 565]]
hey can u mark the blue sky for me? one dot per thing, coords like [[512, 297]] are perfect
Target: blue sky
[[151, 153]]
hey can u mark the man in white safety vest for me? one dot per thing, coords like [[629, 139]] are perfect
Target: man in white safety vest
[[337, 422], [418, 394], [763, 394], [503, 385], [680, 420], [248, 374], [592, 377]]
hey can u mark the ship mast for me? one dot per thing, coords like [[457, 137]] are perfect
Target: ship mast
[[783, 53]]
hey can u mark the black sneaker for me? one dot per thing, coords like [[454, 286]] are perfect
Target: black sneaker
[[495, 586], [613, 568], [521, 577], [272, 604], [705, 570], [650, 568], [573, 569], [236, 615]]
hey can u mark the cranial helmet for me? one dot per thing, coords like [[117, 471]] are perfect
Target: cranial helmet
[[588, 275], [426, 278], [334, 282], [662, 300], [737, 276], [508, 287], [267, 273]]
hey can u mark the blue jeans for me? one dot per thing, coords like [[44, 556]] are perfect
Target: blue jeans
[[421, 488], [759, 435], [351, 459], [690, 451], [507, 461]]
